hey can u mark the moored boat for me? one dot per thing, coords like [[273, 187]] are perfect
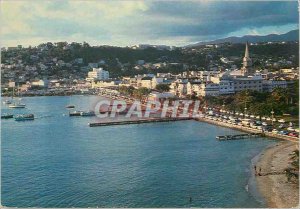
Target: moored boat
[[75, 113], [7, 102], [17, 105], [6, 116], [24, 117], [70, 106], [87, 113]]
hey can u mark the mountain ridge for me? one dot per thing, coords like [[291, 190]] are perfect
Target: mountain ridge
[[292, 35]]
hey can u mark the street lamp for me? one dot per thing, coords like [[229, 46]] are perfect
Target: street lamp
[[272, 112], [245, 110], [223, 108]]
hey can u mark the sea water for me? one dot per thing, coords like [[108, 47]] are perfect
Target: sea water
[[59, 161]]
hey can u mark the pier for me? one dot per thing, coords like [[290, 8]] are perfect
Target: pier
[[127, 122], [239, 136]]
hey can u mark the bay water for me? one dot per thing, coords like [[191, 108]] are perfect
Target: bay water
[[59, 161]]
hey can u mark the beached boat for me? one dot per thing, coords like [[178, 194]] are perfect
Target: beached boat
[[87, 113], [24, 117], [6, 116]]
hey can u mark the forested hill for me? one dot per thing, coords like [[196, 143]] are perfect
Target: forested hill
[[123, 60]]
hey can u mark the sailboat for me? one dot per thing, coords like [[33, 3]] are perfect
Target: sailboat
[[70, 105], [17, 104], [8, 101]]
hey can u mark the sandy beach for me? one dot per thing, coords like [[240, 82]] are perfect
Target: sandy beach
[[278, 193]]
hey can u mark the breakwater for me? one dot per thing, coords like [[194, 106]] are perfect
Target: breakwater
[[127, 122]]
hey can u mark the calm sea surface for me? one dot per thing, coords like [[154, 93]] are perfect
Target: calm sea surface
[[59, 161]]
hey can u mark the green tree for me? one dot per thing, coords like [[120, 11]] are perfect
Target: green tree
[[162, 87]]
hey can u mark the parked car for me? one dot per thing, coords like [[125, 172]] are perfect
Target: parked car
[[294, 134], [284, 132], [290, 129], [267, 128], [258, 122]]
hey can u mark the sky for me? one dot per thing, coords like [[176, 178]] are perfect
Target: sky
[[125, 23]]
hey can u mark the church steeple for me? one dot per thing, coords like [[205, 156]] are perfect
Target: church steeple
[[247, 50], [247, 62]]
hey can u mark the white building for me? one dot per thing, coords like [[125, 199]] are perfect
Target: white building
[[156, 96], [146, 82], [269, 85], [226, 87], [209, 89], [248, 83], [97, 74], [40, 83]]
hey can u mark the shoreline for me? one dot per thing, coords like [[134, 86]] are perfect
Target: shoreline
[[276, 191], [249, 130]]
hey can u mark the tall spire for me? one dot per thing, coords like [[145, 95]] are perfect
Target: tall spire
[[247, 62], [247, 51]]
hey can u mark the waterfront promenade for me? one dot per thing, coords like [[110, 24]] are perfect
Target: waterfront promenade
[[248, 129]]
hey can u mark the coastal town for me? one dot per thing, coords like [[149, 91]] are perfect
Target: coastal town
[[227, 92], [149, 104], [35, 72]]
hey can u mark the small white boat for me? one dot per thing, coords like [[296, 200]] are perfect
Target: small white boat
[[87, 113], [24, 117], [7, 102], [17, 105]]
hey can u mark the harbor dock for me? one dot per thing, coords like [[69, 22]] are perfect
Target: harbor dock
[[127, 122], [239, 136]]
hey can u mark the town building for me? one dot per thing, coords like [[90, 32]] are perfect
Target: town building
[[209, 89], [97, 74], [270, 85]]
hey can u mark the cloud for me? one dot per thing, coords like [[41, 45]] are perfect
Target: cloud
[[131, 22]]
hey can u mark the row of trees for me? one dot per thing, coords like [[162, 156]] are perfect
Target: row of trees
[[136, 93], [281, 101], [142, 91]]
